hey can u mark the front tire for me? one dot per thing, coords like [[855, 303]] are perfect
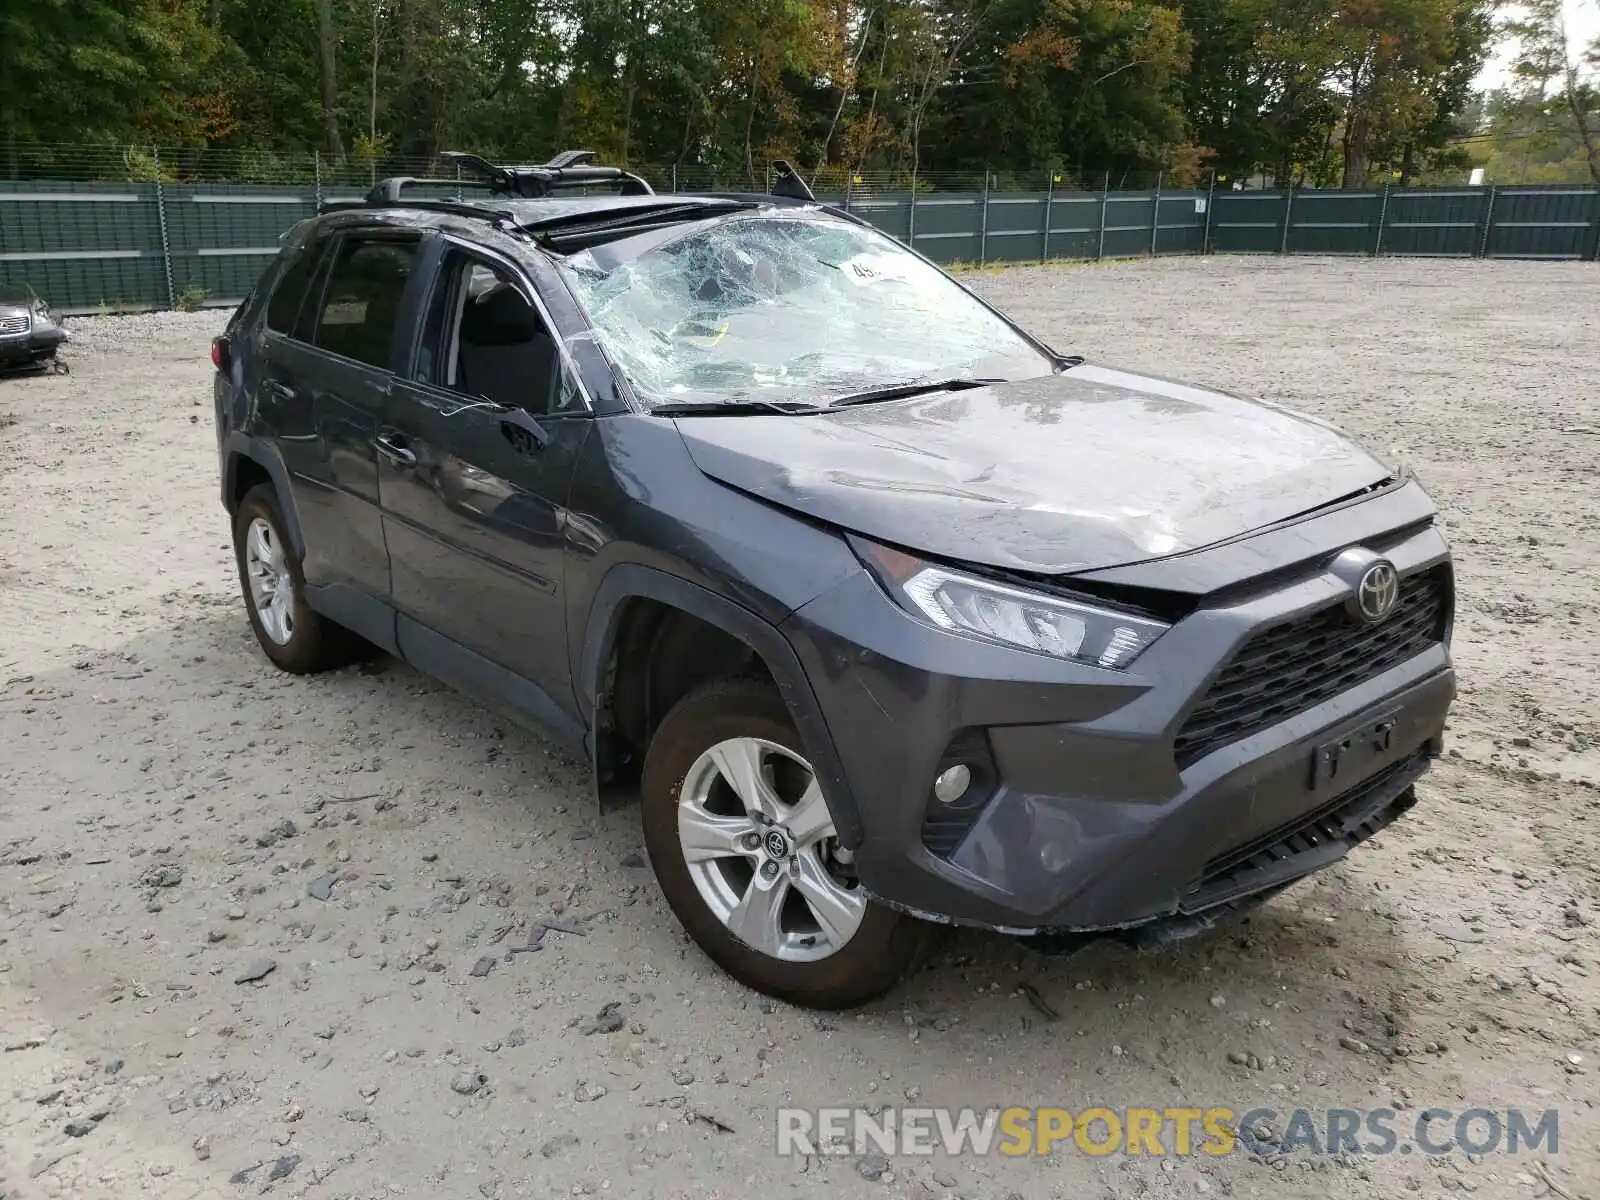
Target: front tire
[[294, 636], [746, 853]]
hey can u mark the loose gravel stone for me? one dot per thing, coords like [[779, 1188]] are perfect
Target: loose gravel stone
[[466, 1083], [872, 1167], [256, 971]]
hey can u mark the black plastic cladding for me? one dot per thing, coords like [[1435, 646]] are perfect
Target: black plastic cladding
[[1349, 819]]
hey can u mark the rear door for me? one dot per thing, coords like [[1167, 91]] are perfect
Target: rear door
[[477, 446], [328, 366]]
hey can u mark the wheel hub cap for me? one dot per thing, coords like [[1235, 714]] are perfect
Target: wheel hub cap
[[760, 847]]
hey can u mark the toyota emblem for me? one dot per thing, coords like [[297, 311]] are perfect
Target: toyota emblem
[[1377, 592]]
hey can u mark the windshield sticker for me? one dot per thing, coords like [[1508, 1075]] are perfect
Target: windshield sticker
[[866, 269]]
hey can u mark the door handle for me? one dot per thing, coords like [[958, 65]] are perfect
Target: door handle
[[277, 389], [391, 447]]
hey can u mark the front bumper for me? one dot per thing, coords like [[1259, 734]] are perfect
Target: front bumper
[[1091, 825], [39, 343]]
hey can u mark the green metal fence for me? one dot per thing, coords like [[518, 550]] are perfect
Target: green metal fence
[[88, 246]]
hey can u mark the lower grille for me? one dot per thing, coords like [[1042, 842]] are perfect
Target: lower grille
[[15, 326], [1309, 842], [1289, 668]]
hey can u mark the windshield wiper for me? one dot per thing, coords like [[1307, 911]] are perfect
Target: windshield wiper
[[735, 408], [900, 391]]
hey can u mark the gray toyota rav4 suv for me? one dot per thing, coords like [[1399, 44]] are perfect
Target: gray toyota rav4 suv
[[887, 612]]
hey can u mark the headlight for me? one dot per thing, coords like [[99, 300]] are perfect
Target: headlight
[[1034, 621]]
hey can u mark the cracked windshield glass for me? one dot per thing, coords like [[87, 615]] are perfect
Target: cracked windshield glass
[[783, 309]]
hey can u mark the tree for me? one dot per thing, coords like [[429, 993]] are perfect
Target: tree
[[1551, 83], [1317, 90], [109, 70], [327, 49]]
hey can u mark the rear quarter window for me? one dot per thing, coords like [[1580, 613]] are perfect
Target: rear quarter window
[[289, 292]]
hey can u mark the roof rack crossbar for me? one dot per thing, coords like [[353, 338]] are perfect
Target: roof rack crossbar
[[568, 169]]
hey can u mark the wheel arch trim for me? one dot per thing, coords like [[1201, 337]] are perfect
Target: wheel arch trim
[[630, 581], [240, 447]]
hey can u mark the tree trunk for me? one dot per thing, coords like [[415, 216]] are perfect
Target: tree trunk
[[1580, 118], [372, 110], [1357, 122], [870, 126], [1325, 161], [845, 89], [1357, 149], [632, 90], [749, 127], [688, 130], [330, 78], [564, 114]]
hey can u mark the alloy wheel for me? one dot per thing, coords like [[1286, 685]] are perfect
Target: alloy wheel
[[763, 852], [271, 586]]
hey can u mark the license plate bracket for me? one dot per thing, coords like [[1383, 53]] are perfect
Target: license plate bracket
[[1349, 756]]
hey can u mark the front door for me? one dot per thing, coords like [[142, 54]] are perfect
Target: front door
[[476, 452]]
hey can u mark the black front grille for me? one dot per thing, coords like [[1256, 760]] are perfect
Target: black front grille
[[1289, 668]]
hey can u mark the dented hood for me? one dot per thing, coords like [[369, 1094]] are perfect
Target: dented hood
[[1083, 470]]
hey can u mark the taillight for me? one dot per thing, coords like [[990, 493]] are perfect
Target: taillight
[[219, 353]]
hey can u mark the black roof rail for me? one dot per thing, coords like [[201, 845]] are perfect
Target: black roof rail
[[568, 169], [392, 190], [390, 193]]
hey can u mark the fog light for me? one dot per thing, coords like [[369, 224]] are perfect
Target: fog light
[[952, 784]]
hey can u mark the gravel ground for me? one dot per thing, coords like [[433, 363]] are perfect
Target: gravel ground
[[257, 932]]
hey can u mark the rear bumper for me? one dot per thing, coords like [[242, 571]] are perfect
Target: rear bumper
[[1090, 824]]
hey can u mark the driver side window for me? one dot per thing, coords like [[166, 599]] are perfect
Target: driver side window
[[486, 341]]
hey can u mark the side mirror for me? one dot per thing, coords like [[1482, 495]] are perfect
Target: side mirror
[[524, 433]]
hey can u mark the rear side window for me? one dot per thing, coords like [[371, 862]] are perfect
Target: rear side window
[[362, 302], [283, 307]]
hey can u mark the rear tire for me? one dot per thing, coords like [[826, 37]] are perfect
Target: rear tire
[[811, 936], [295, 637]]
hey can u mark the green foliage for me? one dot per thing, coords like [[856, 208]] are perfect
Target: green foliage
[[110, 70], [1322, 90], [1545, 128], [143, 165], [192, 298]]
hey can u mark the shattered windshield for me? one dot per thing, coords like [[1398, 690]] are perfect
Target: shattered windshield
[[792, 308]]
